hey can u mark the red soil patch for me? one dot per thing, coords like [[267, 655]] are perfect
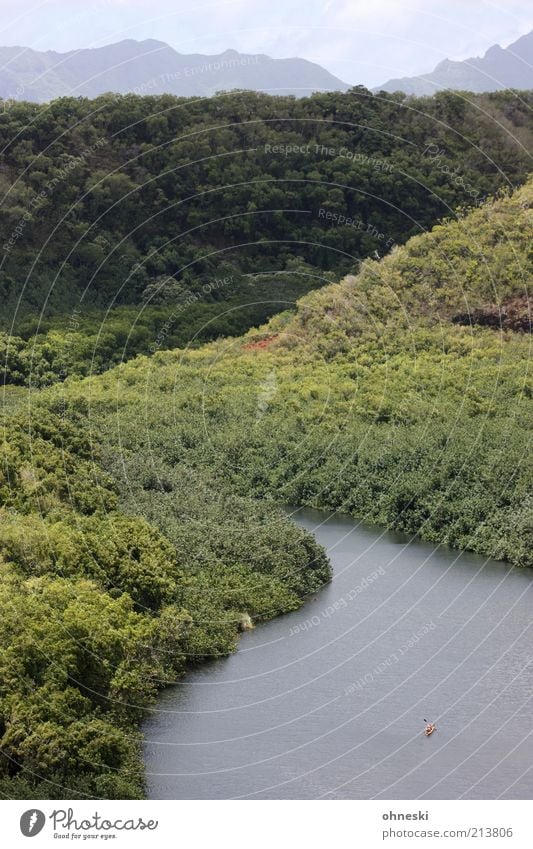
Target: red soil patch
[[261, 344]]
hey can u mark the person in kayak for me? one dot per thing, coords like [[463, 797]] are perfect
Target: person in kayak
[[430, 727]]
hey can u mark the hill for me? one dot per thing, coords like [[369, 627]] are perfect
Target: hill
[[401, 394], [140, 531], [152, 67], [500, 68], [168, 203]]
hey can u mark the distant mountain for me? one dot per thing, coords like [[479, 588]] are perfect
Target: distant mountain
[[152, 67], [499, 68]]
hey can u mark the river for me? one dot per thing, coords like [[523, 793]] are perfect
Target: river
[[331, 701]]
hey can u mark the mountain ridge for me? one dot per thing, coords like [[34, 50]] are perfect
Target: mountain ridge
[[153, 67], [498, 69]]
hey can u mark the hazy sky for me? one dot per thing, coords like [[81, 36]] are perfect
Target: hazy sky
[[361, 41]]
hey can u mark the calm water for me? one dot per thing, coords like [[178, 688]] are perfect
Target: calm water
[[331, 701]]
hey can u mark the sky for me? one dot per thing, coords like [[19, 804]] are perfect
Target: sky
[[361, 41]]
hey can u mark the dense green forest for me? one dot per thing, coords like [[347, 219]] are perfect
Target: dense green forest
[[89, 341], [140, 517], [402, 394], [131, 224], [100, 609], [143, 200]]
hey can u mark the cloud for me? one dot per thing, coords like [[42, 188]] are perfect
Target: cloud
[[359, 41]]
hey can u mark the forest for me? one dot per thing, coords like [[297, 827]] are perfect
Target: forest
[[145, 200], [142, 502]]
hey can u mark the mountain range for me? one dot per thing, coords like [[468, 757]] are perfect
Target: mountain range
[[153, 67], [499, 68]]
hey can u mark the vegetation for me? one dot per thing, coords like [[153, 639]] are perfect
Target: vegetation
[[100, 609], [372, 398], [139, 507], [85, 342], [134, 200]]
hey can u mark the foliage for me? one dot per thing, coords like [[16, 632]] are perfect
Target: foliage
[[138, 507], [370, 398], [91, 341], [100, 609], [142, 200]]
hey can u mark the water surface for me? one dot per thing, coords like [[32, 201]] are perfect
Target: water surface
[[330, 701]]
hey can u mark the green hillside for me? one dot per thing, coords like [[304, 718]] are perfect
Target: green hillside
[[145, 200], [140, 526], [402, 395]]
